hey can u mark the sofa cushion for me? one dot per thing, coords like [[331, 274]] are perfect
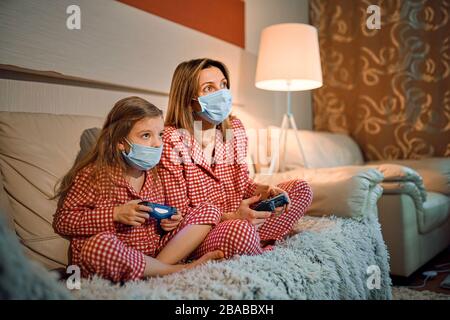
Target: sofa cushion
[[35, 151], [435, 212]]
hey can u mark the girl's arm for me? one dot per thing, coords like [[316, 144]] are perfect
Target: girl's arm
[[79, 215]]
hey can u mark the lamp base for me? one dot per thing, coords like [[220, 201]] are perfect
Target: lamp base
[[288, 121]]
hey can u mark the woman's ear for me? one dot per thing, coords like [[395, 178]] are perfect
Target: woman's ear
[[196, 106]]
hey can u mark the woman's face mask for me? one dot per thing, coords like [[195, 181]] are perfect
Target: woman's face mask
[[216, 106], [142, 157]]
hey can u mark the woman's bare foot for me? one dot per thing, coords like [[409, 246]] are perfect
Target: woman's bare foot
[[213, 255]]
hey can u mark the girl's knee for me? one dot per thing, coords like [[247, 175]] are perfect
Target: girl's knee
[[205, 213], [99, 239], [105, 255], [95, 244]]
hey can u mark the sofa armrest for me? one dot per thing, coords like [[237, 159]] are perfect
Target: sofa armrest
[[398, 178], [435, 172], [350, 192]]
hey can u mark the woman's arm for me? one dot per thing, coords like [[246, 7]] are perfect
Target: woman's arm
[[171, 171], [78, 215], [228, 216], [245, 212], [251, 189], [241, 147]]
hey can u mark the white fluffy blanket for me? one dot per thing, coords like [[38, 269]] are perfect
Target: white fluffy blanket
[[327, 259]]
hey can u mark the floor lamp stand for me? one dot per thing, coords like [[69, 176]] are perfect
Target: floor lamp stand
[[288, 121]]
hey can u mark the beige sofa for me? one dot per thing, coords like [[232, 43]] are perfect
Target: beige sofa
[[37, 149], [415, 207]]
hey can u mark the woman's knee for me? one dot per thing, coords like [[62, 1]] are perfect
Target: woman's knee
[[302, 191], [240, 237]]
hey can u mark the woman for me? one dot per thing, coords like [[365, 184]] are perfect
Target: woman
[[203, 164]]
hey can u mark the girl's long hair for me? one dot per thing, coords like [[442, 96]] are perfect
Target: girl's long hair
[[184, 89], [105, 155]]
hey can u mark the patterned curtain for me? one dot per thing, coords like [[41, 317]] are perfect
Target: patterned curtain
[[388, 88]]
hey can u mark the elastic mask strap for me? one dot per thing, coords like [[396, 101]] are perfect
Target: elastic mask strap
[[129, 143]]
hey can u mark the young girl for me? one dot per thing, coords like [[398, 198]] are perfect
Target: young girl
[[98, 209], [208, 165]]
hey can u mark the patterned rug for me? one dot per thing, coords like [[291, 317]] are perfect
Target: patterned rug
[[402, 293]]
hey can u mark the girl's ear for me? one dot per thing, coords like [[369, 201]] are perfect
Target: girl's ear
[[121, 146]]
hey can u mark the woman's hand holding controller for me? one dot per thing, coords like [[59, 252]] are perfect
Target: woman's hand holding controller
[[270, 191], [273, 192], [244, 212]]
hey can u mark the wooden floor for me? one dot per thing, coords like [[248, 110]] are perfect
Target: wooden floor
[[432, 285]]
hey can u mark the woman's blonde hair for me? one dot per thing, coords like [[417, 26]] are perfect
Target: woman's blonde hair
[[105, 154], [184, 89]]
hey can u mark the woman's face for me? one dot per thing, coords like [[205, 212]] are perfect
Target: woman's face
[[210, 80]]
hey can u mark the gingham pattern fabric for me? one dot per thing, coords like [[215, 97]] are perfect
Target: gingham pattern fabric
[[113, 250], [106, 255], [203, 214], [189, 181], [241, 237]]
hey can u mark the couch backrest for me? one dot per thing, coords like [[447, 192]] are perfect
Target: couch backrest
[[321, 149], [35, 151]]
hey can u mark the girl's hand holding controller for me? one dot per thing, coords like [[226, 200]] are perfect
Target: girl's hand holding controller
[[131, 213], [172, 223]]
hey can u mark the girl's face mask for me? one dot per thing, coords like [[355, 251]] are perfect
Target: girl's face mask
[[216, 106], [142, 157]]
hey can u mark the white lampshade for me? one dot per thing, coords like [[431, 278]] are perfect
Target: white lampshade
[[289, 58]]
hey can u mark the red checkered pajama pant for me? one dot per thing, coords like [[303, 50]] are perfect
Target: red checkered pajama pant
[[107, 256], [242, 238]]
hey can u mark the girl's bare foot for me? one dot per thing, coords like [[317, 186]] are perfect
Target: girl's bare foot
[[213, 255]]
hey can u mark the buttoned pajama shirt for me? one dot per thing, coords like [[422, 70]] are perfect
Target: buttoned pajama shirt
[[190, 182], [110, 249]]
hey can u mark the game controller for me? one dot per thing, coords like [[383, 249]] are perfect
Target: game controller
[[270, 204], [159, 211]]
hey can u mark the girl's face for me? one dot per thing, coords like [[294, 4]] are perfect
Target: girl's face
[[146, 132], [210, 80]]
